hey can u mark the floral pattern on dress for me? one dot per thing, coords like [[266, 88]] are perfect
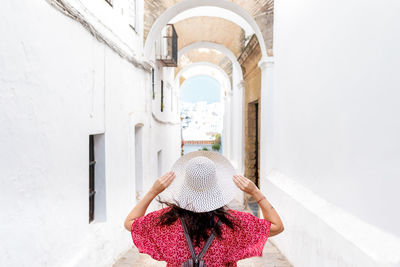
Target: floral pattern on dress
[[168, 243]]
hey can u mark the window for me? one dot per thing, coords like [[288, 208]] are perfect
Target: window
[[132, 14], [138, 161], [162, 95], [152, 82], [97, 181], [167, 47], [92, 164], [159, 163], [110, 2]]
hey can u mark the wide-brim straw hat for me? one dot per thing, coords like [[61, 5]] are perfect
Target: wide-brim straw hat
[[203, 182]]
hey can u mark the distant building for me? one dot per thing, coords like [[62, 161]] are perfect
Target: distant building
[[204, 120]]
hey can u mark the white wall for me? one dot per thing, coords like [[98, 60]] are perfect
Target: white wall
[[336, 123], [58, 84]]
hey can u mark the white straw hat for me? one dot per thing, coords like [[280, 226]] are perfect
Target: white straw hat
[[203, 182]]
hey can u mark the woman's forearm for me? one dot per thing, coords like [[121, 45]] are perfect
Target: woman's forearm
[[139, 210], [269, 213]]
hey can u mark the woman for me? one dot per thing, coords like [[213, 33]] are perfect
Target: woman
[[202, 184]]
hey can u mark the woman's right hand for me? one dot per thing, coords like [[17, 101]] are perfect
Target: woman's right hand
[[140, 209], [162, 183], [245, 184]]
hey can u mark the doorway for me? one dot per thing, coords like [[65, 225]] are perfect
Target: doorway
[[252, 145], [138, 161]]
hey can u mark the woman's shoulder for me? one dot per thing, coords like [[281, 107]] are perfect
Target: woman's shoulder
[[151, 218], [158, 212], [245, 218], [241, 214], [238, 212]]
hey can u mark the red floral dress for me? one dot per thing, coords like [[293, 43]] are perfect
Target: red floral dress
[[168, 243]]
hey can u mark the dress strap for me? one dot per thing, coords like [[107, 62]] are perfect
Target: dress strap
[[190, 244], [208, 243]]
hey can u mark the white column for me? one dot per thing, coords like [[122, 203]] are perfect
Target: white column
[[237, 119], [231, 127], [226, 126], [266, 65], [239, 142], [236, 127]]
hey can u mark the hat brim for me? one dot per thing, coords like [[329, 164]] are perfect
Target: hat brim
[[224, 191]]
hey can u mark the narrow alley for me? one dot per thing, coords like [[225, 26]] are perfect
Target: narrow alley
[[98, 99]]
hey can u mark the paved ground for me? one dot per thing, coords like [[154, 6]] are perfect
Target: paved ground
[[271, 258]]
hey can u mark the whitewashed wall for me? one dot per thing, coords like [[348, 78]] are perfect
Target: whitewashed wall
[[58, 84], [336, 132]]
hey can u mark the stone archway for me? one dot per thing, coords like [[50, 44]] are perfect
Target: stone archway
[[208, 69], [233, 123], [219, 47], [184, 5], [173, 9], [226, 99]]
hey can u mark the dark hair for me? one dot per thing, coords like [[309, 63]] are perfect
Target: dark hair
[[199, 224]]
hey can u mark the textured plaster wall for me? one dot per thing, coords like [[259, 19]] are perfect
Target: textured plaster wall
[[336, 129], [58, 84], [341, 101]]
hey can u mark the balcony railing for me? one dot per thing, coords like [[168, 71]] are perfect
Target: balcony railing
[[167, 47]]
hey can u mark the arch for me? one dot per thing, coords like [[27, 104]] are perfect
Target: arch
[[211, 29], [209, 67], [184, 5], [215, 12], [219, 47], [210, 77]]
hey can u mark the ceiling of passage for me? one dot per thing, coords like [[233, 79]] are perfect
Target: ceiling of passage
[[205, 55], [211, 11], [211, 29], [260, 10]]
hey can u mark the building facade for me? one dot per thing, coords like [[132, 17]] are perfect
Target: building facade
[[75, 89]]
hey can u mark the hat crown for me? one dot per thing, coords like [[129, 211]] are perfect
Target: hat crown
[[200, 173]]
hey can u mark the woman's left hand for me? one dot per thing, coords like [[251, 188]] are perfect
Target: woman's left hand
[[245, 184], [162, 183]]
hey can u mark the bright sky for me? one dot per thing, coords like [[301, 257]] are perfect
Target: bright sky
[[201, 88]]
